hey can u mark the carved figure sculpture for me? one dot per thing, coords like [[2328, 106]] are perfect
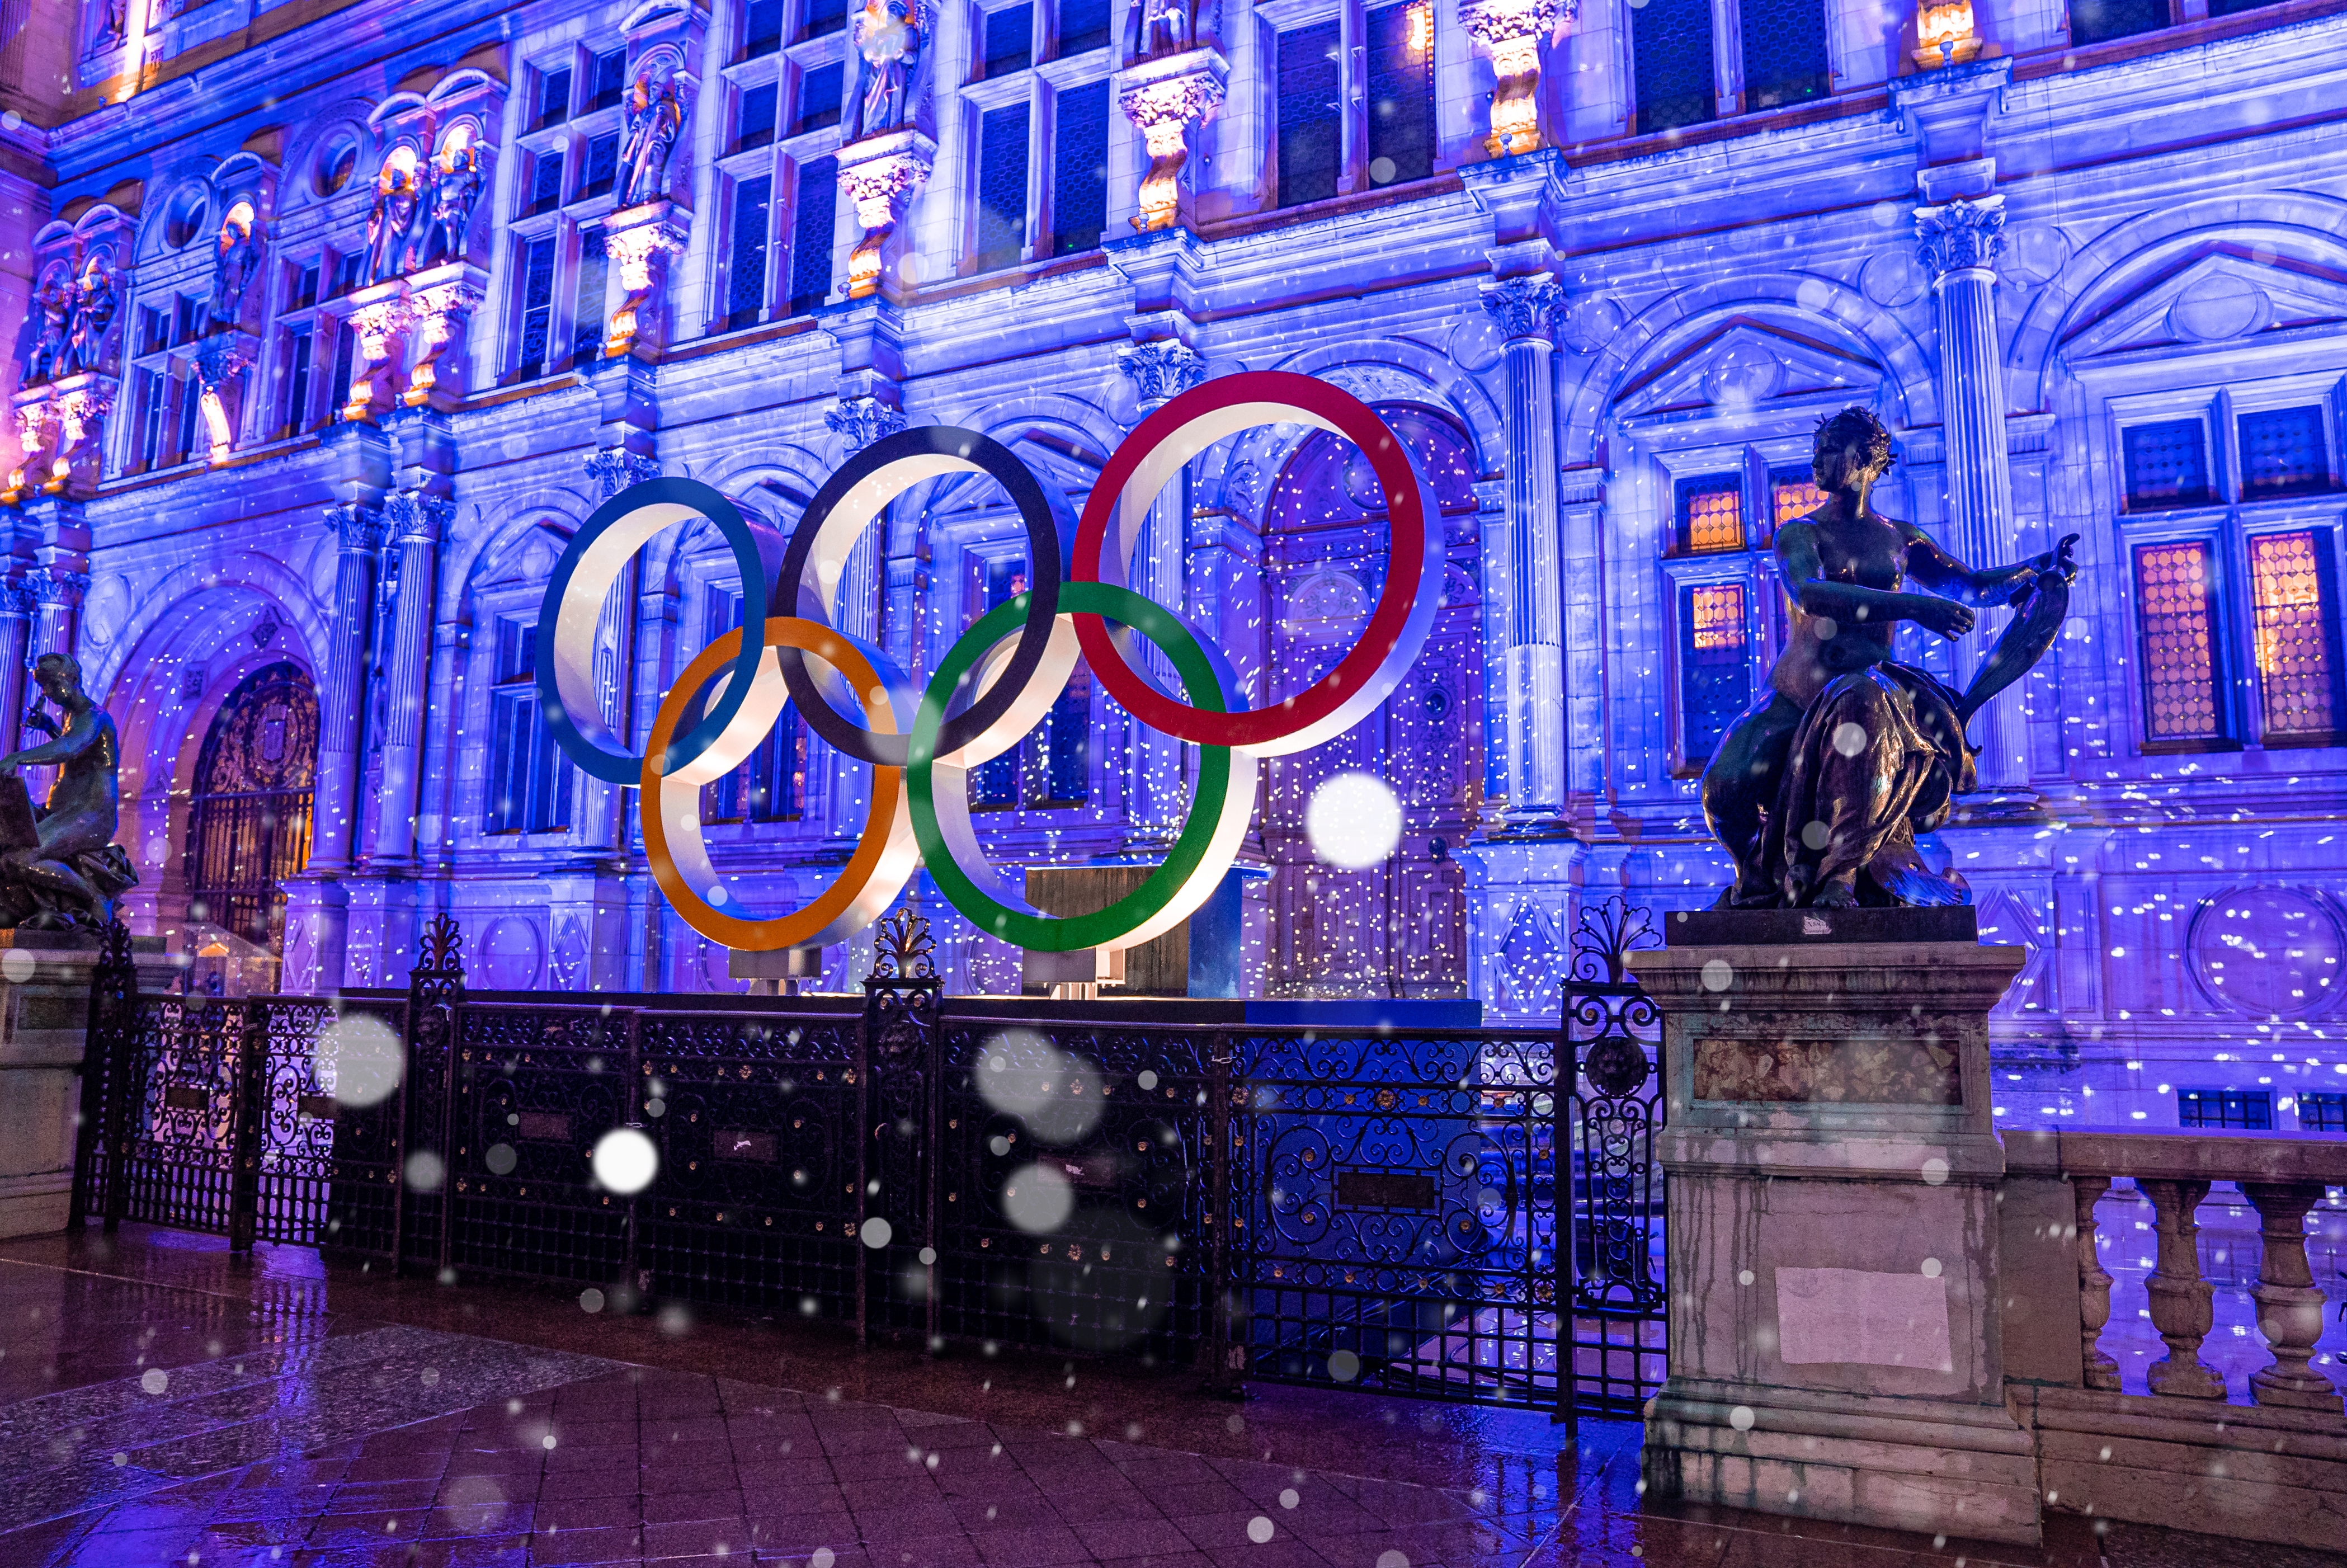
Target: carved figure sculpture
[[236, 261], [46, 359], [391, 227], [889, 55], [72, 875], [1819, 789], [113, 26], [655, 119], [1163, 27], [456, 188], [96, 299]]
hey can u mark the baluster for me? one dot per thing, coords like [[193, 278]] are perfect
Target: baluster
[[2290, 1303], [2093, 1287], [2182, 1305]]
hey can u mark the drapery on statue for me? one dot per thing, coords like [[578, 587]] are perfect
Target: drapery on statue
[[391, 227], [888, 37], [235, 262], [61, 869], [46, 358], [655, 119], [96, 299], [1819, 789], [456, 188]]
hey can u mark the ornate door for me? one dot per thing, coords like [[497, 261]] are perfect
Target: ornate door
[[249, 824]]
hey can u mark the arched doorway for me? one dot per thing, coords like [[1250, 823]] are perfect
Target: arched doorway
[[249, 824]]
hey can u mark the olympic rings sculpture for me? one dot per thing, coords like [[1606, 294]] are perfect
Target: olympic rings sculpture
[[996, 682]]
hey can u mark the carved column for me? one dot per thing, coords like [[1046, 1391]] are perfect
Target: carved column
[[858, 421], [414, 523], [15, 648], [1511, 33], [1154, 805], [57, 609], [2099, 1370], [1959, 243], [1163, 99], [342, 699], [640, 240], [1525, 309], [879, 175], [2181, 1305], [379, 319], [2290, 1303]]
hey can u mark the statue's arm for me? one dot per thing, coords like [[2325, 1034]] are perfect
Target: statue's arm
[[1943, 573], [1818, 594], [80, 734]]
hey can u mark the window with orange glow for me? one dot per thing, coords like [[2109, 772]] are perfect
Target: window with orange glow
[[1711, 513], [2296, 602]]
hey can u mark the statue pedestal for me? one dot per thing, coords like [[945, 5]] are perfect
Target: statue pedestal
[[44, 1012], [1832, 1162]]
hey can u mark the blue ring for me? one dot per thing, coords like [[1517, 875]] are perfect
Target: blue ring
[[587, 745]]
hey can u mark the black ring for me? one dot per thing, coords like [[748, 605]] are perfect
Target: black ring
[[1043, 510]]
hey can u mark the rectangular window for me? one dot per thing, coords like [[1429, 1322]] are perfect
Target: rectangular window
[[2323, 1112], [297, 380], [536, 304], [154, 329], [1009, 40], [1084, 26], [191, 406], [778, 771], [2182, 666], [1784, 53], [1710, 514], [1793, 494], [721, 799], [587, 300], [818, 99], [2167, 465], [1001, 187], [545, 182], [529, 782], [305, 288], [761, 28], [1310, 140], [995, 782], [2249, 1109], [346, 272], [812, 221], [824, 17], [553, 98], [1079, 171], [610, 78], [2099, 21], [1401, 92], [188, 319], [746, 272], [2283, 453], [346, 344], [2235, 7], [153, 388], [1067, 744], [2296, 600], [1671, 41], [753, 117], [1715, 668], [602, 166]]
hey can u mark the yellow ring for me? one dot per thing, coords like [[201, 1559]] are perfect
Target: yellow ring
[[884, 856]]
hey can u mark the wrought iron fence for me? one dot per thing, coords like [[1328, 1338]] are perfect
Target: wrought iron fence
[[1440, 1214]]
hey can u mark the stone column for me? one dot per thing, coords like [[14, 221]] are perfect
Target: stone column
[[414, 525], [317, 903], [15, 653], [858, 421], [1154, 806], [56, 610], [1525, 308], [1959, 243]]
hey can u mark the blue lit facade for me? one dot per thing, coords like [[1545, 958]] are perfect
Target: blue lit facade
[[2088, 267]]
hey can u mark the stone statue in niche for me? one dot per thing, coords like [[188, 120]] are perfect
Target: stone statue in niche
[[888, 41], [1163, 27], [49, 354], [1821, 788], [655, 120], [391, 227], [59, 865], [455, 191], [96, 299], [236, 261], [113, 25]]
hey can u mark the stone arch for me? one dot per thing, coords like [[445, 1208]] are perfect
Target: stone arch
[[1349, 364]]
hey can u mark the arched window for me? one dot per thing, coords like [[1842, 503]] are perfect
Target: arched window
[[249, 824]]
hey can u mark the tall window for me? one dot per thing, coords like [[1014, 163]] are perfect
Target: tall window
[[746, 271], [1784, 52], [2294, 589], [529, 780], [154, 390], [811, 233], [294, 413], [571, 154], [2097, 21], [1037, 147], [1001, 185], [2182, 658], [1401, 92], [190, 394], [1052, 766], [1715, 666], [786, 87], [770, 786], [587, 312], [1311, 136], [536, 304], [1080, 168], [1675, 73]]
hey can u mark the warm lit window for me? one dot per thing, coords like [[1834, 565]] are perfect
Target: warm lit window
[[1793, 495], [2182, 667], [2296, 603], [1711, 513], [1715, 666]]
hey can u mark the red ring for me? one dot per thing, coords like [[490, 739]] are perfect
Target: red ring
[[1407, 523]]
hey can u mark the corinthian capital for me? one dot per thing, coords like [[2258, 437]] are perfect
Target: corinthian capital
[[861, 420], [1960, 235], [413, 516], [614, 469], [1525, 307], [1161, 371], [359, 527]]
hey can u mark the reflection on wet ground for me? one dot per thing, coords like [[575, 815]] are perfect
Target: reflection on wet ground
[[166, 1404]]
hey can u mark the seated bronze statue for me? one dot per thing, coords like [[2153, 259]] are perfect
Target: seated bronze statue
[[61, 869], [1821, 788]]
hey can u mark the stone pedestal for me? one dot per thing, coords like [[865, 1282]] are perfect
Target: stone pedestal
[[1836, 1349], [43, 1010]]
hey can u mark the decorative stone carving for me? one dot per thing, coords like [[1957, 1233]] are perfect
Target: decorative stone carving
[[656, 112], [391, 226], [380, 317], [97, 297], [880, 176], [641, 240], [441, 304], [220, 372], [53, 310], [456, 182], [1161, 372], [238, 252], [1960, 235], [1511, 31], [1165, 98], [1525, 307], [81, 406], [35, 433], [415, 516], [357, 528], [614, 469], [1161, 28], [887, 37], [861, 420]]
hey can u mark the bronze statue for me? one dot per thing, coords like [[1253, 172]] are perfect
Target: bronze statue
[[1819, 789], [70, 873]]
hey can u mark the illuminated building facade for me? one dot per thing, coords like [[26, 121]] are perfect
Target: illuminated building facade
[[333, 320]]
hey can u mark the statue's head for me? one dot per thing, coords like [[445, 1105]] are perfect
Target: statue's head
[[58, 675], [1853, 448]]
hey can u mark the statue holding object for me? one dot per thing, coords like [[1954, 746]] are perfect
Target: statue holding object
[[59, 866], [96, 299], [392, 227], [1819, 790], [655, 119], [48, 357], [887, 39]]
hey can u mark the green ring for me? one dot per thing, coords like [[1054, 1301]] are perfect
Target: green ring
[[1200, 685]]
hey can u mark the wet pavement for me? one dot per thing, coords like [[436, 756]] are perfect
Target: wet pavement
[[163, 1402]]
